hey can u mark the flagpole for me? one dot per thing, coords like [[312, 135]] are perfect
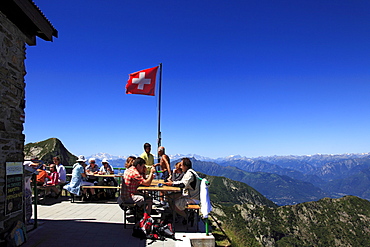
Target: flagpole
[[159, 107]]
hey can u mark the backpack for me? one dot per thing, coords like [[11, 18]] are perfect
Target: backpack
[[148, 228], [144, 227]]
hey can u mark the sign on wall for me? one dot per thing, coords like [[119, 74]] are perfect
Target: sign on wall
[[13, 187]]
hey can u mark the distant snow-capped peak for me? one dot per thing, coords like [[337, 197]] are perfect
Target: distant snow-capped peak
[[107, 156], [174, 157], [196, 156]]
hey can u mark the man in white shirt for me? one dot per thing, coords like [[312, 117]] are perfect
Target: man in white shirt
[[190, 183]]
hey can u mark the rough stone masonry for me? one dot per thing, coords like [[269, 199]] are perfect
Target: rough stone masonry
[[12, 104]]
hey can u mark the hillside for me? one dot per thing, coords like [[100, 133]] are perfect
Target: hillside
[[46, 150], [357, 184], [327, 222], [227, 192]]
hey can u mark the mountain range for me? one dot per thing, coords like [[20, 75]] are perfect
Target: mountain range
[[292, 179], [286, 180], [312, 159], [101, 156]]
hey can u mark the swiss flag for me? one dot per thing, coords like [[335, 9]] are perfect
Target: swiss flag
[[142, 82]]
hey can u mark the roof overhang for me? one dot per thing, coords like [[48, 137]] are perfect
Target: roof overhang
[[29, 19]]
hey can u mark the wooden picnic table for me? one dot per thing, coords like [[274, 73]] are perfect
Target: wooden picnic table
[[164, 188]]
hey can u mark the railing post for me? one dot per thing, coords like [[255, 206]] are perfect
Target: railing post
[[35, 200]]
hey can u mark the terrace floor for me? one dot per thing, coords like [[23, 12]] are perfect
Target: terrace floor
[[62, 223]]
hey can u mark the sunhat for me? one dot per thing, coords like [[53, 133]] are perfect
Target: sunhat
[[105, 160], [81, 158]]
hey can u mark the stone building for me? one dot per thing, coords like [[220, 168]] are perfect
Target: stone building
[[21, 21]]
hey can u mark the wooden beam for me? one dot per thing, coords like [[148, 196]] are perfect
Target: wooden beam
[[46, 30]]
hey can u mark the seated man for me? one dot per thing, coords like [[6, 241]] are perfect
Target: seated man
[[132, 179], [190, 183]]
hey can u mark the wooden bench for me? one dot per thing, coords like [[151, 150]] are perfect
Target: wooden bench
[[193, 207], [94, 187], [43, 188]]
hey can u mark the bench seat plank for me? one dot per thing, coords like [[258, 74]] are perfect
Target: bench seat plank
[[99, 187]]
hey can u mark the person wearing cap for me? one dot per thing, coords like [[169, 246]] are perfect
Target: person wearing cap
[[107, 169], [148, 157], [77, 180]]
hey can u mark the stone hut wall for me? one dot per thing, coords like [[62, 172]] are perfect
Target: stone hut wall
[[12, 104]]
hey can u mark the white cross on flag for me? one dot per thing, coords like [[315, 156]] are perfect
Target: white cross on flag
[[142, 82]]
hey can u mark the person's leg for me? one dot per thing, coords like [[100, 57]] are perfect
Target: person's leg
[[55, 189], [172, 198], [180, 212], [148, 205], [139, 200], [60, 187], [180, 204]]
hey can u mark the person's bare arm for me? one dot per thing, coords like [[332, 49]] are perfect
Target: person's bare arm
[[168, 166], [149, 180]]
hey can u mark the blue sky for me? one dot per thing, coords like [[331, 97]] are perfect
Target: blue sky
[[254, 78]]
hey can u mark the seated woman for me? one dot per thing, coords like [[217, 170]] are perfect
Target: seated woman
[[177, 173], [92, 169], [129, 161], [190, 183], [107, 169], [77, 180], [53, 180]]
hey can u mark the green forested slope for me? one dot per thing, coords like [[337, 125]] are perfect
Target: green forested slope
[[327, 222]]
